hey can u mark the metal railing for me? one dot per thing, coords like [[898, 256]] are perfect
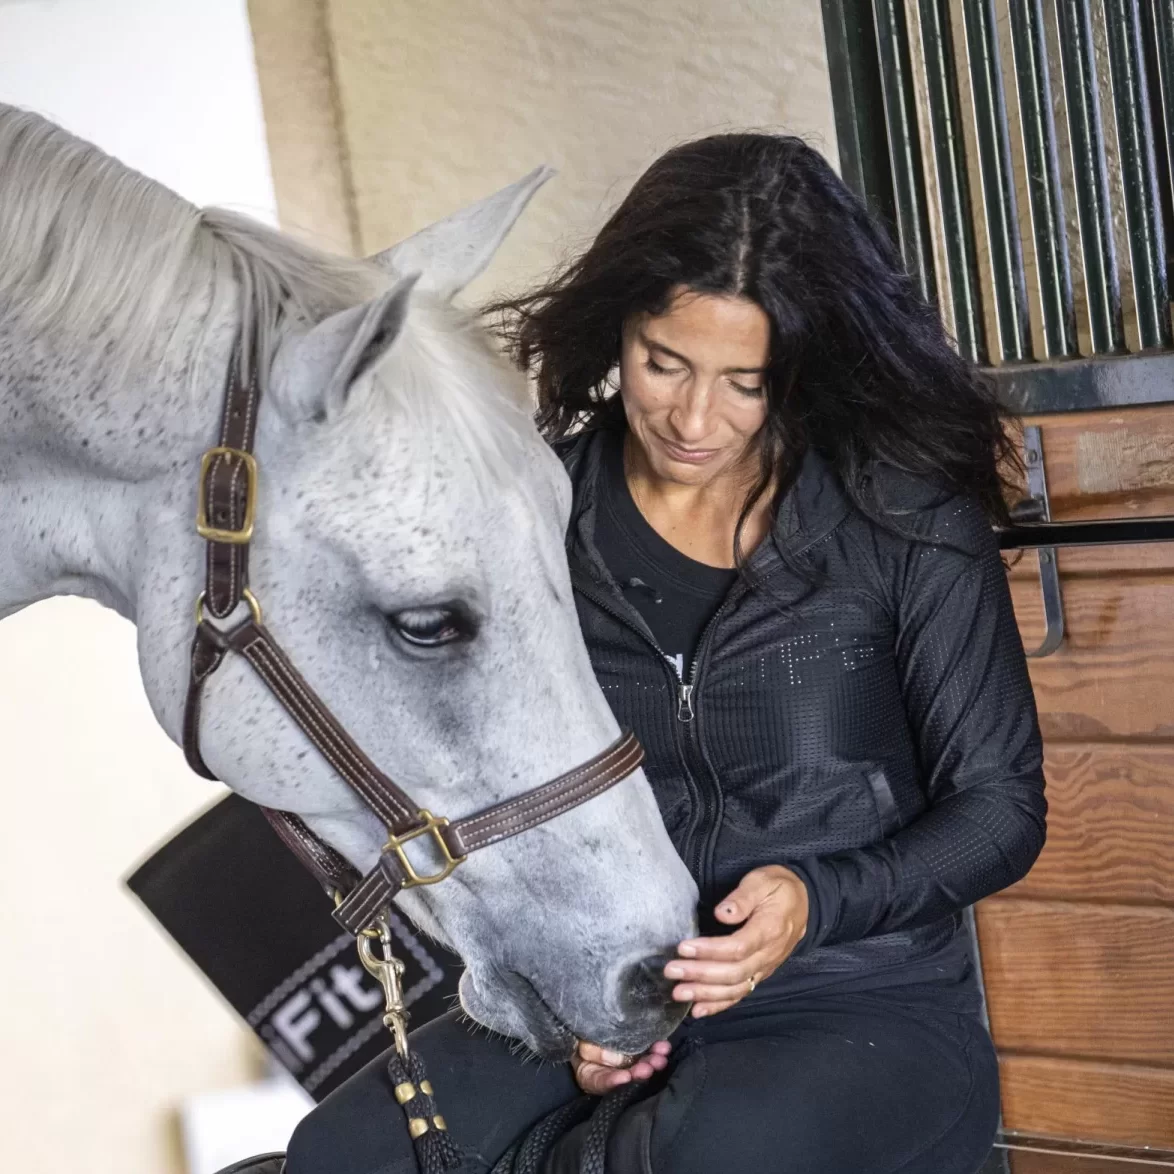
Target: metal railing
[[951, 114]]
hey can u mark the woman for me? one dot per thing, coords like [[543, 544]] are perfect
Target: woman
[[784, 487]]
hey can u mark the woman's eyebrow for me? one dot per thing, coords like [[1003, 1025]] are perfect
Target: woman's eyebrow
[[652, 344]]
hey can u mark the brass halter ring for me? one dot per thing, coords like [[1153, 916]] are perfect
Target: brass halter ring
[[249, 598]]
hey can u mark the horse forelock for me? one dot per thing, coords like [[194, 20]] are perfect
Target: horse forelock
[[443, 376]]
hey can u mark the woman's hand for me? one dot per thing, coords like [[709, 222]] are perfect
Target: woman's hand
[[715, 973], [598, 1071]]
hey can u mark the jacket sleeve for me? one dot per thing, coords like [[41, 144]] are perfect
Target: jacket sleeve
[[972, 715]]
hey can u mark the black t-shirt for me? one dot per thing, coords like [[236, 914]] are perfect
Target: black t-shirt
[[676, 595]]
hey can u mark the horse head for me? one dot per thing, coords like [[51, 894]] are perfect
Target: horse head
[[409, 555]]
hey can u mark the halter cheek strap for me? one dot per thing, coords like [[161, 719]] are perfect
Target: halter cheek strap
[[226, 518], [361, 899]]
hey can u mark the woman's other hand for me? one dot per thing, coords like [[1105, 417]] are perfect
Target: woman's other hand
[[713, 974], [598, 1071]]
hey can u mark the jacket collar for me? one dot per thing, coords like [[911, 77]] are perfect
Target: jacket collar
[[813, 507]]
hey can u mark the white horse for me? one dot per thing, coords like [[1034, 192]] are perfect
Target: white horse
[[404, 490]]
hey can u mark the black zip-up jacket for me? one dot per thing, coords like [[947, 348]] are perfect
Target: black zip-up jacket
[[868, 723]]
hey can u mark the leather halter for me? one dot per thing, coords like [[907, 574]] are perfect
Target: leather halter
[[225, 519]]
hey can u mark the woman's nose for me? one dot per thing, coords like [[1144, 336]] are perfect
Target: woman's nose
[[690, 415]]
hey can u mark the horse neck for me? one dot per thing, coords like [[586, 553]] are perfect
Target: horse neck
[[88, 469]]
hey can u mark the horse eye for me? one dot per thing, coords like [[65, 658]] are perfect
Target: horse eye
[[431, 627]]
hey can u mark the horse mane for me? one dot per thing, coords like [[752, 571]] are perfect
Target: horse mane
[[107, 262], [91, 250]]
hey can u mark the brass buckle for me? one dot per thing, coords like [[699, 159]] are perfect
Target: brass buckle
[[432, 826], [231, 537]]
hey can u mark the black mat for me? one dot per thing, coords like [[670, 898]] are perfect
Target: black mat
[[258, 926]]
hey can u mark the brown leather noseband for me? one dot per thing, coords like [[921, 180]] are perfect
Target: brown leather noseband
[[225, 519]]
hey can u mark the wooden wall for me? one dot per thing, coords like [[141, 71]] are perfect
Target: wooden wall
[[1079, 957]]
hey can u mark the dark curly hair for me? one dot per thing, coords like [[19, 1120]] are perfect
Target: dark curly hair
[[860, 366]]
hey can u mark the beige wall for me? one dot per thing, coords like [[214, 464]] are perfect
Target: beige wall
[[436, 104], [105, 1028], [295, 72]]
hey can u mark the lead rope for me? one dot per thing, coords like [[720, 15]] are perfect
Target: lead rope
[[532, 1151], [436, 1152]]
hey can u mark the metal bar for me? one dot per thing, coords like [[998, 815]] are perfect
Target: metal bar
[[1053, 603], [1113, 532], [994, 157], [1086, 135], [1045, 197], [857, 104], [1162, 15], [1080, 385], [1157, 29], [1129, 1159], [1049, 571], [896, 75], [1139, 178], [970, 921], [953, 183]]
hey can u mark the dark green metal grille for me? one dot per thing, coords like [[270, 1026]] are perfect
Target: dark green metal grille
[[902, 77]]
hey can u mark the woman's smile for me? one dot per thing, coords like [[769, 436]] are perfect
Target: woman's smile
[[691, 456]]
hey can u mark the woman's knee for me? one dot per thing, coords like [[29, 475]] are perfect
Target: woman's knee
[[353, 1131], [360, 1127], [823, 1104], [487, 1093]]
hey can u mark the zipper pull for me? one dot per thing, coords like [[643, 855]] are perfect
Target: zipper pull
[[684, 702]]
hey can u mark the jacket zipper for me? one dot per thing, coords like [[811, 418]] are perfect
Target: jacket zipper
[[689, 681], [685, 711], [700, 847], [712, 811]]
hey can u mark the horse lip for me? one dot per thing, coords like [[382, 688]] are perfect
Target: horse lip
[[553, 1037]]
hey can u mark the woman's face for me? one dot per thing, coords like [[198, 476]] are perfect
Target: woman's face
[[692, 382]]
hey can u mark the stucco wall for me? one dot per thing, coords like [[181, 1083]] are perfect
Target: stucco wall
[[296, 74], [439, 103]]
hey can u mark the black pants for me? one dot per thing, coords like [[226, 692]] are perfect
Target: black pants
[[852, 1084]]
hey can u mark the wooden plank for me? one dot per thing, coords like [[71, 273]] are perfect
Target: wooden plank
[[1095, 981], [1109, 464], [1113, 677], [1110, 825], [1081, 995], [1141, 559], [1041, 1162], [1098, 1102]]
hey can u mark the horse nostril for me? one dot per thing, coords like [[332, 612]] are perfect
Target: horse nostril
[[644, 986]]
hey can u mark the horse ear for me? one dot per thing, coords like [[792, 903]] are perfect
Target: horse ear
[[453, 251], [321, 366]]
